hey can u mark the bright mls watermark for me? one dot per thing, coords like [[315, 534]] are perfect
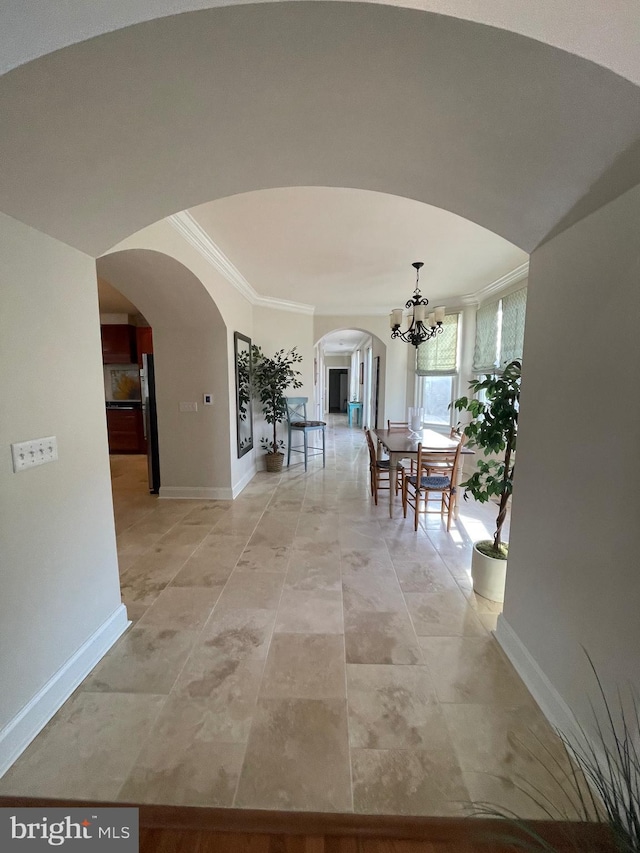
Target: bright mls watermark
[[37, 829]]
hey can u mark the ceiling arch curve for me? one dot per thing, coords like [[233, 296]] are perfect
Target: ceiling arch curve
[[110, 135], [588, 29], [165, 291]]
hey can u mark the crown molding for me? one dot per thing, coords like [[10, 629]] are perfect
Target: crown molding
[[193, 233], [513, 277]]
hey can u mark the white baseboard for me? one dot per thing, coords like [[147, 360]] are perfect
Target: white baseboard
[[550, 701], [16, 736], [244, 481], [196, 493], [553, 706]]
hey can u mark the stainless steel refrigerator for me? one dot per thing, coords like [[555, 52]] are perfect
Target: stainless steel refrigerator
[[150, 421]]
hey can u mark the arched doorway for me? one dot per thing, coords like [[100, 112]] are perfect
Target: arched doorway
[[501, 129]]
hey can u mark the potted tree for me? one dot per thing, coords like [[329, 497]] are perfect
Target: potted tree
[[271, 378], [494, 428]]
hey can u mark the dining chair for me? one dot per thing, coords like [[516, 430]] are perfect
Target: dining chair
[[378, 468], [439, 467], [419, 484], [402, 463], [297, 422]]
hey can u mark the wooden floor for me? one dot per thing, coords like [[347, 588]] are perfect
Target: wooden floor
[[175, 829]]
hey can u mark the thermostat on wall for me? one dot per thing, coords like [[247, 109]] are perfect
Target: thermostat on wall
[[207, 399]]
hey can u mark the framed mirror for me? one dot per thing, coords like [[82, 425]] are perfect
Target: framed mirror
[[244, 411]]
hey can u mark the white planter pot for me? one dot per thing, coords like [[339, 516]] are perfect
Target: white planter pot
[[489, 575]]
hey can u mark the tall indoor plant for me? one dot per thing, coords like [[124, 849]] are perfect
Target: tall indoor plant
[[494, 429], [272, 376]]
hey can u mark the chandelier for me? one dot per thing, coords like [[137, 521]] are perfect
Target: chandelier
[[423, 326]]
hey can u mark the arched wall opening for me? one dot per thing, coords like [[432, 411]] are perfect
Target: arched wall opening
[[371, 392], [519, 137], [191, 359]]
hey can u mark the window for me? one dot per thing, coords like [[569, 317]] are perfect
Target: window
[[436, 393], [436, 369], [500, 332]]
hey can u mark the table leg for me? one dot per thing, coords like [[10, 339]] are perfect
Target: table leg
[[393, 461]]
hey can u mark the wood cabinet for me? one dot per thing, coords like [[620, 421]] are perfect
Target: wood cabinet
[[124, 427], [118, 344], [144, 342]]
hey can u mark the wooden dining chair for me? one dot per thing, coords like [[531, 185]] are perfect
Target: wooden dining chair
[[439, 467], [419, 485], [402, 463], [378, 468]]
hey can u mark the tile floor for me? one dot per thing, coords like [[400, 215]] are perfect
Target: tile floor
[[296, 649]]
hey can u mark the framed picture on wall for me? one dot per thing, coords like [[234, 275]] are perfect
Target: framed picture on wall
[[362, 372]]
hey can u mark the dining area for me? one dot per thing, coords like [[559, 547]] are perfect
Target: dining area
[[418, 466]]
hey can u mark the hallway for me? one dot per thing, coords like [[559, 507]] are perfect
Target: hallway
[[296, 650]]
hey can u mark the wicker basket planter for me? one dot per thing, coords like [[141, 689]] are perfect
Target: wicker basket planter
[[274, 462]]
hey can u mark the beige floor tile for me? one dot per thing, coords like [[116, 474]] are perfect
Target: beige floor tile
[[472, 670], [275, 529], [186, 534], [261, 557], [222, 690], [239, 634], [87, 750], [207, 514], [372, 593], [151, 573], [379, 637], [393, 707], [310, 612], [512, 759], [181, 608], [429, 576], [249, 590], [283, 549], [213, 561], [489, 620], [144, 660], [366, 562], [324, 547], [297, 757], [408, 782], [238, 522], [185, 769], [310, 572], [305, 666], [443, 614]]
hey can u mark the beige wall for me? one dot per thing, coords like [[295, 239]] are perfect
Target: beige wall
[[275, 330], [573, 561], [58, 555]]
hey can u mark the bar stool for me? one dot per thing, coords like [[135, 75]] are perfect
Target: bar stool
[[297, 422]]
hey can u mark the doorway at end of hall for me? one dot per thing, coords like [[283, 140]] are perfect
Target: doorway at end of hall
[[338, 390]]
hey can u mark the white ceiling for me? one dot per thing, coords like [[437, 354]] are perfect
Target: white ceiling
[[343, 342], [348, 251]]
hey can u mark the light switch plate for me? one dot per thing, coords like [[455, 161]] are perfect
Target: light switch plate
[[207, 399], [38, 451]]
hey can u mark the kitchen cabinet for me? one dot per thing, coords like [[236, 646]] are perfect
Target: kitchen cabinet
[[124, 428], [118, 344], [144, 342]]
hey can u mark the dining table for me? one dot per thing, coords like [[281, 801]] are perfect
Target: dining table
[[403, 444]]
